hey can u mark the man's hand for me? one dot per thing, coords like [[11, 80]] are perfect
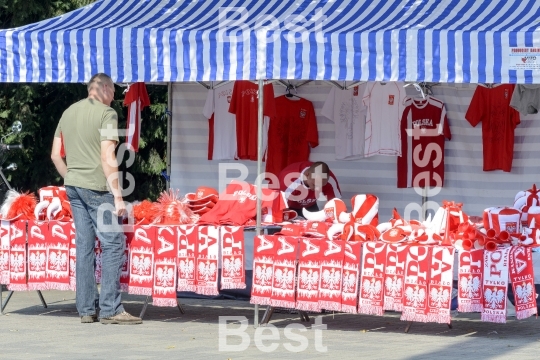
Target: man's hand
[[120, 207]]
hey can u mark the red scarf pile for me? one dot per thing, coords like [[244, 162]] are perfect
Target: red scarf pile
[[207, 260], [233, 271], [351, 275], [416, 284], [97, 252], [4, 251], [17, 265], [394, 276], [124, 274], [470, 280], [58, 242], [309, 270], [495, 285], [371, 291], [283, 285], [331, 275], [187, 257], [166, 256], [72, 259], [37, 254], [522, 277], [142, 260], [440, 284], [263, 262]]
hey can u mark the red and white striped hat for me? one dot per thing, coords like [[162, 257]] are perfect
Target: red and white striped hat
[[365, 210], [504, 219]]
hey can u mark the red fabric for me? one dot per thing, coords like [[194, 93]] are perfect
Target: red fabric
[[291, 135], [394, 277], [287, 178], [309, 272], [415, 295], [124, 274], [142, 260], [136, 99], [331, 275], [245, 105], [351, 276], [188, 236], [495, 285], [522, 278], [492, 108], [58, 243], [17, 265], [72, 258], [440, 284], [165, 260], [4, 251], [98, 251], [263, 266], [37, 254], [471, 279], [372, 281], [283, 284], [207, 260], [429, 124], [211, 137], [233, 270]]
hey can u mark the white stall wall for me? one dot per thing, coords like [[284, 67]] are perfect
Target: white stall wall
[[464, 179]]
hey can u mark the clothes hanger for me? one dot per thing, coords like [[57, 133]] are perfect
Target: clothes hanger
[[288, 90]]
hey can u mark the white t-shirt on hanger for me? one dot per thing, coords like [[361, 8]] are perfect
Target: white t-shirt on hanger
[[217, 103], [384, 102], [348, 113]]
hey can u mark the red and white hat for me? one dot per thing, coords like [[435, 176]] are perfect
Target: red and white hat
[[504, 219], [365, 210], [331, 211], [203, 194], [316, 229], [291, 230]]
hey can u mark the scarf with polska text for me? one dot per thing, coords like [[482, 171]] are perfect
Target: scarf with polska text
[[371, 285], [394, 276], [331, 274], [233, 270], [188, 236], [207, 260], [4, 251], [440, 284], [57, 271], [263, 266], [495, 287], [17, 254], [351, 276], [165, 260], [415, 293], [470, 280], [142, 260], [309, 272], [522, 278], [283, 284], [37, 254]]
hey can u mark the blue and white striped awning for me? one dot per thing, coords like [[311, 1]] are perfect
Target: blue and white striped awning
[[192, 40]]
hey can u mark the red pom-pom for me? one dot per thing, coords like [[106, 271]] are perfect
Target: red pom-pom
[[22, 205], [144, 212], [172, 211]]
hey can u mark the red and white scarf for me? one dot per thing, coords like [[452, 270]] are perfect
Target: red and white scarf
[[165, 257], [233, 270], [57, 277], [283, 284], [188, 236], [522, 277], [394, 276], [309, 272], [37, 254], [351, 276], [72, 258], [415, 294], [372, 284], [17, 265], [495, 285], [331, 274], [440, 284], [4, 251], [142, 260], [470, 280], [263, 266], [124, 274], [98, 261], [207, 260]]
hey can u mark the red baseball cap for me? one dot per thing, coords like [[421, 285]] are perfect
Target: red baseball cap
[[198, 206], [203, 193], [291, 230], [316, 228]]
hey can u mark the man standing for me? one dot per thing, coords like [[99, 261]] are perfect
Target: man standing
[[303, 182], [89, 130]]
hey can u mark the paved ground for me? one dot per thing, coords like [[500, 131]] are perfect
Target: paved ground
[[30, 331]]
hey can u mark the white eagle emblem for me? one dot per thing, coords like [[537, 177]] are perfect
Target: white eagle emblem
[[284, 279], [493, 298], [439, 298], [207, 271], [372, 288], [331, 279], [393, 286], [263, 275], [415, 296], [470, 286], [309, 279], [232, 266], [524, 293], [186, 268]]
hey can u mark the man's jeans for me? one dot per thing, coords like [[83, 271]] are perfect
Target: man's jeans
[[89, 222]]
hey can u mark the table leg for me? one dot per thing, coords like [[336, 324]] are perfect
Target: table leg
[[145, 305]]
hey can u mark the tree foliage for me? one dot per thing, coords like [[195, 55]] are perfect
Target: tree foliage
[[40, 106]]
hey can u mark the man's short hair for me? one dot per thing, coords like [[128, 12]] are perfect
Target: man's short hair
[[323, 166], [99, 79]]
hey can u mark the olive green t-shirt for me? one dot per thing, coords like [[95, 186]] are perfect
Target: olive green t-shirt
[[84, 125]]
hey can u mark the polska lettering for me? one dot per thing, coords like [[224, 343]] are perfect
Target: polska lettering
[[423, 122], [245, 193]]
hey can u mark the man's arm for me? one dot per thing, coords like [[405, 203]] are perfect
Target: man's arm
[[110, 168], [58, 161]]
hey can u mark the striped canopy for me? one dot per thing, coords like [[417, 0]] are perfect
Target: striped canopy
[[473, 41]]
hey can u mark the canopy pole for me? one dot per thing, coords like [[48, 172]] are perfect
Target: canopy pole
[[169, 133]]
